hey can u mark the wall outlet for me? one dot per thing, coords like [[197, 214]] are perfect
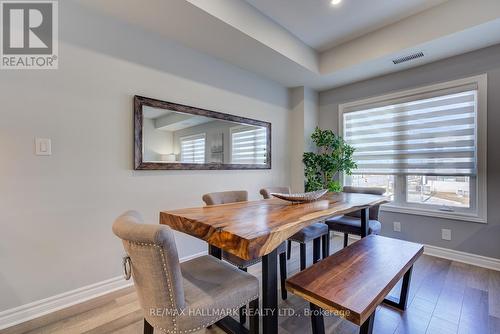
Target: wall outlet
[[397, 226], [445, 234]]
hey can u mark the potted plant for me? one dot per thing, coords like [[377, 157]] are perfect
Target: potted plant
[[334, 155]]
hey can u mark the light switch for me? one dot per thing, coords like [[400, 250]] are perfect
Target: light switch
[[43, 146]]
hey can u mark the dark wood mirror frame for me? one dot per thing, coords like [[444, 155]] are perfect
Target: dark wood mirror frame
[[140, 164]]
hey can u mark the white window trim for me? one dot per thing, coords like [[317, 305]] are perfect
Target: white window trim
[[480, 216]]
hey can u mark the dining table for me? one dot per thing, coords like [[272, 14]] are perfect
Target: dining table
[[254, 229]]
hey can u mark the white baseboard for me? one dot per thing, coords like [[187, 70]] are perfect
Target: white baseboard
[[454, 255], [473, 259], [26, 312]]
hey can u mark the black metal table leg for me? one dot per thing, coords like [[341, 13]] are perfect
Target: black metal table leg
[[270, 293], [215, 251], [367, 327], [317, 322], [316, 249], [403, 297], [364, 222]]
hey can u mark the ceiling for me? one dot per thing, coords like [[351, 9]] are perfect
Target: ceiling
[[321, 25], [310, 42]]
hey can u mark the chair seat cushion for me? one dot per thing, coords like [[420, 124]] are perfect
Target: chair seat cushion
[[211, 284], [241, 263], [352, 225], [310, 232]]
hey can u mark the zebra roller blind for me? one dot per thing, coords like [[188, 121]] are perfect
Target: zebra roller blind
[[193, 149], [426, 134], [248, 145]]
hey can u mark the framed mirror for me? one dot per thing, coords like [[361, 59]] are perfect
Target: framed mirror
[[174, 136]]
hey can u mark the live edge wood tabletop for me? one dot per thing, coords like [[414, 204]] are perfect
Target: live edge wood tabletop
[[255, 228]]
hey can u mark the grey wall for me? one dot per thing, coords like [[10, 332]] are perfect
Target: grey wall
[[57, 210], [482, 239]]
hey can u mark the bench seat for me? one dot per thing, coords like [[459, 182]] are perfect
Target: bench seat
[[356, 279]]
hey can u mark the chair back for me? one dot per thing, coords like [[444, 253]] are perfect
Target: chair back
[[266, 192], [154, 265], [224, 197], [374, 210]]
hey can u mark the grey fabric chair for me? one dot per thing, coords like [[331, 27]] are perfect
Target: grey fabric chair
[[351, 222], [179, 298], [314, 232], [225, 197]]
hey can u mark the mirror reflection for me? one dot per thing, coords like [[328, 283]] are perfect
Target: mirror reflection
[[175, 137]]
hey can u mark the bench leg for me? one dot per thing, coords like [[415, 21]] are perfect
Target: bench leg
[[346, 239], [316, 249], [367, 327], [325, 243], [403, 298], [303, 257], [317, 322]]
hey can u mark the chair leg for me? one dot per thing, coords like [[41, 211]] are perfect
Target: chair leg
[[283, 275], [302, 256], [346, 239], [148, 329], [289, 249], [242, 311], [316, 249], [325, 243], [254, 316]]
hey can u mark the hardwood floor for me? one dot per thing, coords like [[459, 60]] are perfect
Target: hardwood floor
[[445, 297]]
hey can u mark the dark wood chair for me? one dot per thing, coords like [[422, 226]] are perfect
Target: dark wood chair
[[317, 233], [351, 222]]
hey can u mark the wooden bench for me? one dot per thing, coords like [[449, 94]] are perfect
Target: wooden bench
[[354, 281]]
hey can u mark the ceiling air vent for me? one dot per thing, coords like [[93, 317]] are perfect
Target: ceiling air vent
[[403, 59]]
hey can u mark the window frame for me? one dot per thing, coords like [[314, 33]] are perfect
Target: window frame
[[478, 184]]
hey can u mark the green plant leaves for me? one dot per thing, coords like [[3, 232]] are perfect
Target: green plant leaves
[[333, 156]]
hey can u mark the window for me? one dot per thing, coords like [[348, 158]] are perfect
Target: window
[[193, 149], [426, 147], [248, 145]]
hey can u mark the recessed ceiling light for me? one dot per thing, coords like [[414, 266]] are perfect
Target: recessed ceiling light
[[335, 2]]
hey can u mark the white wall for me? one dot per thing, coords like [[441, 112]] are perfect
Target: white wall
[[57, 211], [304, 111]]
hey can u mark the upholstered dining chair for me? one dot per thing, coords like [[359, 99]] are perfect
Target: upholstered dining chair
[[351, 223], [225, 197], [315, 232], [180, 297]]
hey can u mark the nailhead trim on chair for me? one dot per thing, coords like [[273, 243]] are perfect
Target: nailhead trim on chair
[[167, 276], [175, 331], [249, 264]]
